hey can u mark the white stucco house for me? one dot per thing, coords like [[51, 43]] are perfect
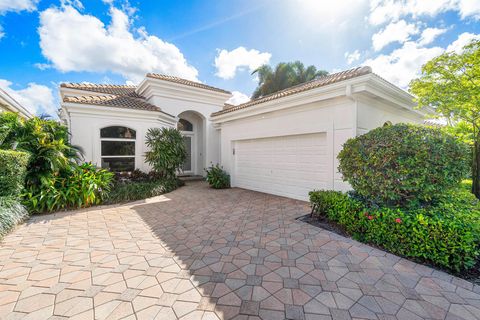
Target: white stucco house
[[285, 143], [8, 103]]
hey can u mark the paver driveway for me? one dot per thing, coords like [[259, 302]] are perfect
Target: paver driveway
[[199, 253]]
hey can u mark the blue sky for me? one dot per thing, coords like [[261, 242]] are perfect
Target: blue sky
[[218, 42]]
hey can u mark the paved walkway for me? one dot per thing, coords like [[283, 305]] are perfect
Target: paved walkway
[[199, 253]]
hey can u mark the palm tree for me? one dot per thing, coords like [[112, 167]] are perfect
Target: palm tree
[[285, 75]]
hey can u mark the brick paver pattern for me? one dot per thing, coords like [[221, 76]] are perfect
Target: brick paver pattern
[[199, 253]]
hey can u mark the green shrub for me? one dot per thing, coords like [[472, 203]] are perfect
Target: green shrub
[[45, 140], [13, 168], [78, 187], [403, 164], [12, 212], [446, 233], [132, 191], [167, 151], [217, 177]]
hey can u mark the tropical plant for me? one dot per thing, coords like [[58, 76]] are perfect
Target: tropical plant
[[403, 164], [285, 75], [450, 84], [45, 140], [167, 151], [78, 186], [217, 177]]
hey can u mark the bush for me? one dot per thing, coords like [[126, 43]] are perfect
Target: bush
[[403, 164], [167, 151], [217, 177], [132, 191], [79, 187], [45, 140], [446, 233], [12, 212], [13, 168]]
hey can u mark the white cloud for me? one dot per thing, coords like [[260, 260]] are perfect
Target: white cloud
[[42, 66], [238, 98], [382, 11], [352, 57], [35, 97], [430, 34], [72, 41], [228, 62], [395, 32], [462, 40], [404, 64], [18, 5], [469, 8]]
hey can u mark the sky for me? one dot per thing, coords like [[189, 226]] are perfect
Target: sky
[[218, 42]]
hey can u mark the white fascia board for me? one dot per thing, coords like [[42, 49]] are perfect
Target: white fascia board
[[114, 112], [156, 87], [383, 89], [321, 93], [369, 84], [13, 105], [79, 92]]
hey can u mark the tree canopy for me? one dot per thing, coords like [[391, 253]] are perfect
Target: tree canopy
[[450, 84], [285, 75]]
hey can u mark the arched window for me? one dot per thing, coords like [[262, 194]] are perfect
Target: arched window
[[184, 125], [118, 148]]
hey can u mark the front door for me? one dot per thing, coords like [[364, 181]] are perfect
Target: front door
[[187, 167]]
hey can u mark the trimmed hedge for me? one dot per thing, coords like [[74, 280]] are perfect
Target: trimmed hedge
[[403, 164], [138, 190], [446, 234], [13, 168], [12, 212]]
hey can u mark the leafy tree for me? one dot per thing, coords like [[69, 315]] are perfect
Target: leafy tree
[[284, 76], [450, 83], [167, 151]]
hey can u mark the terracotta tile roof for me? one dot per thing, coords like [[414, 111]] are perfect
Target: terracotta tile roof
[[124, 90], [320, 82], [114, 101], [185, 82]]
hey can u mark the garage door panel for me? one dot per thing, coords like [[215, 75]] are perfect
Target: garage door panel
[[290, 165]]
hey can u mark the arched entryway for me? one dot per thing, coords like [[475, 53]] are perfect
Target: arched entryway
[[191, 125]]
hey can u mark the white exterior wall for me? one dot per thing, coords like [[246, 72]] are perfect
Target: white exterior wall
[[207, 150], [85, 128], [373, 113], [335, 117]]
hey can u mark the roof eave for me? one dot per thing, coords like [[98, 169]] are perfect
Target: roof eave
[[150, 87], [85, 107]]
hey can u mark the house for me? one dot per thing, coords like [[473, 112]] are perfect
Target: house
[[7, 103], [284, 143]]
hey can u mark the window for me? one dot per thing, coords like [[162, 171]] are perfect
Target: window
[[184, 125], [118, 148]]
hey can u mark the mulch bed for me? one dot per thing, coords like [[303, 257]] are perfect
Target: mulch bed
[[472, 275]]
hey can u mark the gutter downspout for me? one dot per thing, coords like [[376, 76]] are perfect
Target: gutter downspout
[[349, 95]]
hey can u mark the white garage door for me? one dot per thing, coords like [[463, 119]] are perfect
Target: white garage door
[[288, 166]]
